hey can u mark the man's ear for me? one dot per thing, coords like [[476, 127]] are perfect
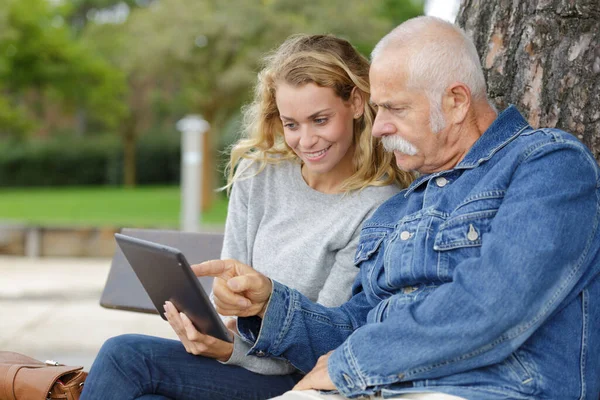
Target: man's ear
[[357, 103], [456, 102]]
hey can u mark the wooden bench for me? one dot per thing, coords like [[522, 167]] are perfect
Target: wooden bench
[[123, 290]]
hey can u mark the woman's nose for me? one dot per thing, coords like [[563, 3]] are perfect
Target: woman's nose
[[307, 138]]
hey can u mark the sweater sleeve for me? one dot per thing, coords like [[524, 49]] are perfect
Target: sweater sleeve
[[235, 238], [337, 287], [235, 243], [264, 366]]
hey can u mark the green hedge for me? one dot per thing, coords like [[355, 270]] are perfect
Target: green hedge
[[92, 160]]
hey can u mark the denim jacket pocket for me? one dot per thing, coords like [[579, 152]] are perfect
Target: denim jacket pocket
[[367, 245], [368, 255], [460, 238], [463, 231]]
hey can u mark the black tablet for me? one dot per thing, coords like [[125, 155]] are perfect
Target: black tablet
[[166, 275]]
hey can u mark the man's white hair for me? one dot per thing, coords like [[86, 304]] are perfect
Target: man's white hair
[[438, 54]]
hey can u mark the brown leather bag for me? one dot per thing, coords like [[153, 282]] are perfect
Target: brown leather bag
[[25, 378]]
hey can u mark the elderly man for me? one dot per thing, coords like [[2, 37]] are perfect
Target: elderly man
[[480, 281]]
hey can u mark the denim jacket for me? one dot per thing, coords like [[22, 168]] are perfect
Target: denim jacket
[[481, 281]]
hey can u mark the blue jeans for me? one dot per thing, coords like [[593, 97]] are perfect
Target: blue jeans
[[136, 366]]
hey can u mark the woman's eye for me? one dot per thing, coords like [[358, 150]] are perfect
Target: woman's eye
[[289, 125], [320, 121]]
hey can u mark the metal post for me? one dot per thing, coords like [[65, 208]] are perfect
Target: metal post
[[191, 127], [33, 241]]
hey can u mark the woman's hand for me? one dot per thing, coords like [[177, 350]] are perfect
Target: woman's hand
[[195, 342]]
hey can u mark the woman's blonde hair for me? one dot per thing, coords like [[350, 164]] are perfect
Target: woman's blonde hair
[[326, 61]]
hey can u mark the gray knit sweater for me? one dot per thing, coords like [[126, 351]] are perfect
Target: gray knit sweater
[[295, 235]]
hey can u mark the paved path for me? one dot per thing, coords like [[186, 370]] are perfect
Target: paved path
[[49, 309]]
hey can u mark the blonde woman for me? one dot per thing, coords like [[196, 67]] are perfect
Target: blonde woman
[[303, 178]]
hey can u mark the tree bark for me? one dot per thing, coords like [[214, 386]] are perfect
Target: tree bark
[[209, 167], [129, 140], [544, 57], [208, 172]]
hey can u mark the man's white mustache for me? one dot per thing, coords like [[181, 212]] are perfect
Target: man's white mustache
[[396, 143]]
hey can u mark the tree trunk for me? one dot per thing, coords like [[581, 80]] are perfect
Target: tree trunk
[[544, 57], [129, 136], [208, 171], [209, 167], [81, 121]]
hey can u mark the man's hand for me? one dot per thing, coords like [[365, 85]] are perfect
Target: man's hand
[[318, 378], [195, 342], [238, 289]]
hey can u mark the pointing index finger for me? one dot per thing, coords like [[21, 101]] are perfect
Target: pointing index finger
[[212, 267]]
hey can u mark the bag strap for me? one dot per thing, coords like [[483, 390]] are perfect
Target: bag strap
[[7, 388]]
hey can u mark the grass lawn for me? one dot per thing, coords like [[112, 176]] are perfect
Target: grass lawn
[[143, 207]]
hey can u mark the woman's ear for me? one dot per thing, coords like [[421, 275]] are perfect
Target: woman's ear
[[357, 103]]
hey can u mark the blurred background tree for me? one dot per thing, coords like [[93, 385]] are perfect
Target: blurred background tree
[[131, 68], [45, 73]]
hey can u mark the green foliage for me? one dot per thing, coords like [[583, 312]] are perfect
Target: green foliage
[[41, 62], [203, 55], [64, 161], [58, 162], [398, 11], [78, 12], [14, 123]]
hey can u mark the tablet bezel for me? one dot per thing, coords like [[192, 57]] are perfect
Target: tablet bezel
[[149, 261]]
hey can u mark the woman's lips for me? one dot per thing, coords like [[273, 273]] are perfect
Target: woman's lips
[[316, 155]]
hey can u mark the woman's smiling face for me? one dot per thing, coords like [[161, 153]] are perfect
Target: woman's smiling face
[[318, 126]]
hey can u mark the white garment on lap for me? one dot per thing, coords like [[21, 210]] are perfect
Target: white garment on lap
[[315, 395]]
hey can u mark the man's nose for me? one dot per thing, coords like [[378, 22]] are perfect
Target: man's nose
[[382, 127]]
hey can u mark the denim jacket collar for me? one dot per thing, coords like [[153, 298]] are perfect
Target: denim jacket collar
[[509, 124]]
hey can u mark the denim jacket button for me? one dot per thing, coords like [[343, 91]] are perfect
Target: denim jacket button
[[260, 353], [472, 235], [405, 235], [441, 181]]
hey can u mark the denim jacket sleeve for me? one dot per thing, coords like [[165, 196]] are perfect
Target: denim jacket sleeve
[[494, 302], [298, 329]]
